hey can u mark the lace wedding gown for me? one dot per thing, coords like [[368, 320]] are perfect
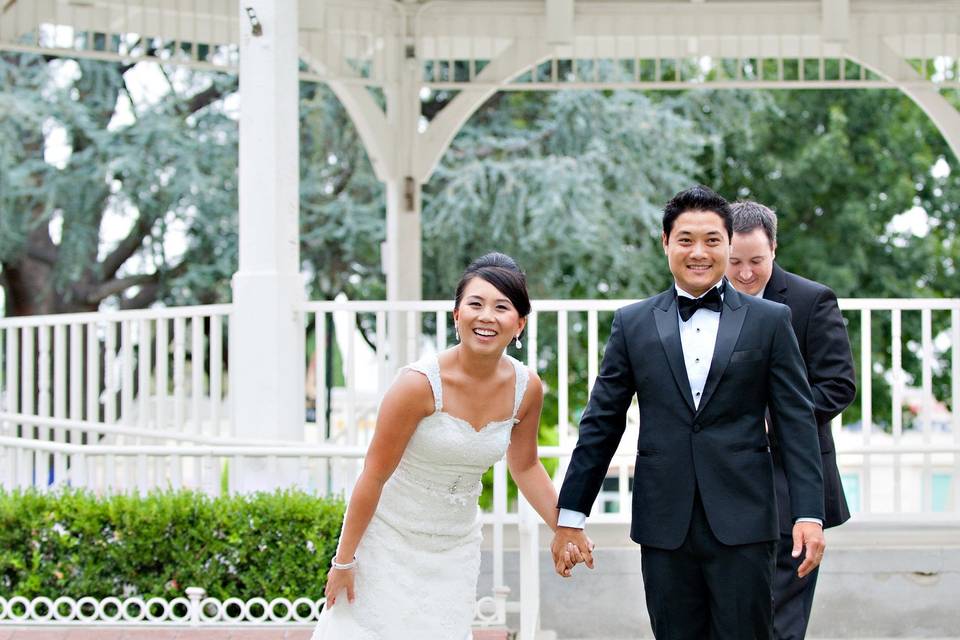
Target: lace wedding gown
[[420, 556]]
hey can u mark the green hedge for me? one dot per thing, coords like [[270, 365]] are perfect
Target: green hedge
[[73, 543]]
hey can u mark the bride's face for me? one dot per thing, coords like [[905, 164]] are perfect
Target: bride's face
[[486, 319]]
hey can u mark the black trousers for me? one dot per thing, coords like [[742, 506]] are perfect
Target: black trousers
[[709, 590], [792, 596]]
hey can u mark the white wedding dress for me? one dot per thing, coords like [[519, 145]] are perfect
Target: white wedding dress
[[419, 559]]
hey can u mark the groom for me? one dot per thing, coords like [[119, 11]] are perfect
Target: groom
[[704, 362]]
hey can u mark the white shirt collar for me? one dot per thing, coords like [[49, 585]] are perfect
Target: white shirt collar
[[681, 292]]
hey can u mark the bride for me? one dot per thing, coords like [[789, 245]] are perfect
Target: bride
[[409, 553]]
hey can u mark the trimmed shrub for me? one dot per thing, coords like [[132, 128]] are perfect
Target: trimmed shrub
[[73, 543]]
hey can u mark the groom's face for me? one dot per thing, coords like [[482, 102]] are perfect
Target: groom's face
[[698, 250]]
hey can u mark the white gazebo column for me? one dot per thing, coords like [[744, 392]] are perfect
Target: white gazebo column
[[402, 263], [266, 328], [401, 250]]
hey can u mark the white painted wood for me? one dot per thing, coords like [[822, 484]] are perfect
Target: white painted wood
[[836, 20], [28, 362], [266, 326], [216, 376], [75, 380], [179, 373], [866, 399], [43, 405], [198, 354], [60, 377], [161, 355], [559, 27], [955, 400], [896, 351], [926, 401], [144, 371], [320, 372]]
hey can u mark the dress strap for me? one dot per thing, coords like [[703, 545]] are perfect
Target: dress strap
[[523, 377], [429, 366]]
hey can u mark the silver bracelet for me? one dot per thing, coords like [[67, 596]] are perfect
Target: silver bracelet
[[343, 565]]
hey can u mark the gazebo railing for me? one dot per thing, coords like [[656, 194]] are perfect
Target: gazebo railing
[[159, 377]]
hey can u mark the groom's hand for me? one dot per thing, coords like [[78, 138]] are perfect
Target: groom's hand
[[808, 535], [571, 546]]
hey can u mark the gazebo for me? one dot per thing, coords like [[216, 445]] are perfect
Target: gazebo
[[363, 49], [386, 52]]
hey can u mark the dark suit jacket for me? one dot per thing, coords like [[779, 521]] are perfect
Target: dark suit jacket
[[825, 348], [720, 448]]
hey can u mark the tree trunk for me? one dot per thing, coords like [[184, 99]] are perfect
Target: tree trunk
[[28, 288]]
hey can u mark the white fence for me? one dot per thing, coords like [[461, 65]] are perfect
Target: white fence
[[136, 400], [194, 610], [900, 458], [132, 398]]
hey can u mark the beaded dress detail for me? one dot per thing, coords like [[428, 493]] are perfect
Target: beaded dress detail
[[419, 558]]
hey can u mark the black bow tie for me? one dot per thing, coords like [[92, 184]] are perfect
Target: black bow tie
[[711, 301]]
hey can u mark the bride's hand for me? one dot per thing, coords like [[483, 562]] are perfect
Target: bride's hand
[[337, 581]]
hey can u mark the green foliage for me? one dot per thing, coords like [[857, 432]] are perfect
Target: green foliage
[[840, 167], [553, 180], [83, 147], [75, 544]]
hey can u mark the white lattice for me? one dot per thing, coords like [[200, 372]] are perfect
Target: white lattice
[[195, 609]]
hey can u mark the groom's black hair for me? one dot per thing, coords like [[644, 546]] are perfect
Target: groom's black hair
[[697, 198], [502, 272]]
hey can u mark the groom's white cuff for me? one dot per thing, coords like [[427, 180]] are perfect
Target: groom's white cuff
[[817, 520], [572, 519]]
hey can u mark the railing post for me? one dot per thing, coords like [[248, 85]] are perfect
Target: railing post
[[529, 571], [195, 594], [499, 515], [500, 595]]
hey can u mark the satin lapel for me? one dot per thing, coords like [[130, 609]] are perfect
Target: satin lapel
[[731, 321], [669, 329]]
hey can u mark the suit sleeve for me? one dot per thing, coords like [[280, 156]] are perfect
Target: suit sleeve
[[829, 360], [791, 407], [601, 426]]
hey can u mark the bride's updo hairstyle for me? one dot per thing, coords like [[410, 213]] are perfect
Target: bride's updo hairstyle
[[502, 272]]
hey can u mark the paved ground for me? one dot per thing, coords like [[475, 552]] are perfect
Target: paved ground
[[116, 633], [261, 633]]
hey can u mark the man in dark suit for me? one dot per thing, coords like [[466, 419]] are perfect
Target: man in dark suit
[[825, 348], [704, 362]]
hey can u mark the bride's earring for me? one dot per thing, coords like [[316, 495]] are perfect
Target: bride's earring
[[456, 330], [518, 343]]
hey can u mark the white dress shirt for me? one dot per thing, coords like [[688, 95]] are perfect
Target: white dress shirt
[[698, 337]]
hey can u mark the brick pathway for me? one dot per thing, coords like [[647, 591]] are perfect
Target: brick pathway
[[120, 633]]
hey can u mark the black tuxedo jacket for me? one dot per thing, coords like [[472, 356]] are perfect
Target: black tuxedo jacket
[[825, 348], [720, 448]]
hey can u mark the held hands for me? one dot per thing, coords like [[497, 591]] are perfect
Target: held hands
[[570, 547], [809, 535]]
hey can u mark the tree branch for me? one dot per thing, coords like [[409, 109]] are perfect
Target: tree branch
[[146, 295], [118, 285], [150, 290], [206, 97], [128, 246]]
